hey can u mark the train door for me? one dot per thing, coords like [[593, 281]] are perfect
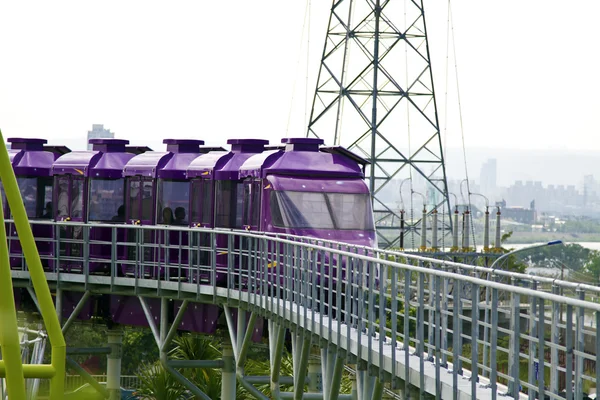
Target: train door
[[140, 211], [201, 215], [250, 220], [173, 209], [69, 199], [36, 193]]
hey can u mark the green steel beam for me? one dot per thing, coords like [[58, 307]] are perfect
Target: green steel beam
[[38, 278], [9, 330]]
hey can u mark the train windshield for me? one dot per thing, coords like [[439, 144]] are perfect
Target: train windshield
[[173, 198], [107, 199], [318, 210], [36, 193]]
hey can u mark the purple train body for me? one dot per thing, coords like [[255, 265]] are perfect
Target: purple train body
[[299, 188], [32, 162]]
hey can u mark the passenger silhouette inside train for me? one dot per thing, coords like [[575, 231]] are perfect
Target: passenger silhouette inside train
[[167, 216], [120, 217], [48, 210], [179, 216]]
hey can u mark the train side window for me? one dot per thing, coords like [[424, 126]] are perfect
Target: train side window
[[45, 193], [230, 205], [77, 198], [276, 216], [106, 200], [196, 206], [147, 200], [247, 204], [29, 194], [133, 187], [255, 193], [206, 202], [62, 196]]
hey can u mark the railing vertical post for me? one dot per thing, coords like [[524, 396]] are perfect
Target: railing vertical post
[[456, 335], [569, 353], [406, 338], [444, 316], [474, 338], [532, 345], [394, 318], [430, 319], [420, 332], [438, 333], [494, 343], [541, 347], [555, 338], [579, 347], [515, 338]]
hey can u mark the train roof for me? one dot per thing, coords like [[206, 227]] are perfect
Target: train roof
[[28, 156], [106, 160], [226, 165], [171, 164], [303, 157]]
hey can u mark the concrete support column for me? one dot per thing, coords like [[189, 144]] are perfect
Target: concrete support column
[[315, 384], [113, 368], [228, 379]]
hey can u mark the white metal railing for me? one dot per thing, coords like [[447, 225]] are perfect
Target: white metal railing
[[534, 341]]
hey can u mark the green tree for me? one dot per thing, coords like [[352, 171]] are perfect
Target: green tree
[[592, 267]]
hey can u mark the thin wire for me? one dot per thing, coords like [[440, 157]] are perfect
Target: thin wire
[[304, 29], [462, 131]]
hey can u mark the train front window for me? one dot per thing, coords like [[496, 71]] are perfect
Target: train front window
[[174, 199], [107, 200], [317, 210]]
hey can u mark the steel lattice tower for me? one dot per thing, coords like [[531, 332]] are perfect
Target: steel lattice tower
[[375, 97]]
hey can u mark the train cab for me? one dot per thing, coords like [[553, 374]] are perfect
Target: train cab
[[216, 197], [158, 192], [309, 190], [32, 163], [89, 187]]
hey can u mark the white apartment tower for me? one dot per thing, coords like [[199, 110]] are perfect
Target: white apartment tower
[[98, 132]]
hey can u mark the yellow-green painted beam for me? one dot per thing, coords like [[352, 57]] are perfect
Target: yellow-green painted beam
[[41, 371], [9, 330], [36, 271]]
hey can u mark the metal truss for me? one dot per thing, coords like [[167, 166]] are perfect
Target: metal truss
[[375, 96]]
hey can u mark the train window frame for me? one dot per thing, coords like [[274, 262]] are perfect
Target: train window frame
[[229, 208], [142, 181], [160, 192], [115, 217], [201, 202], [71, 180]]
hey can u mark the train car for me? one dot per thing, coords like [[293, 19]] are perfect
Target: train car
[[158, 193], [216, 200], [308, 190], [89, 187], [32, 162]]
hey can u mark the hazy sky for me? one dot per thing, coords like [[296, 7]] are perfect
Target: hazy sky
[[529, 71]]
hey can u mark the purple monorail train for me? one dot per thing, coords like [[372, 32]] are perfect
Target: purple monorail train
[[217, 198], [308, 190], [89, 187], [158, 193]]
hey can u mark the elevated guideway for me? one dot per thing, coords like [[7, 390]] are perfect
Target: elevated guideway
[[352, 303]]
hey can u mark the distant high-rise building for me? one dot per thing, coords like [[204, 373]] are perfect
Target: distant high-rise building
[[487, 177], [98, 132]]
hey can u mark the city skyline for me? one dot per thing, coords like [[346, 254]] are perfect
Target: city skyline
[[184, 81]]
